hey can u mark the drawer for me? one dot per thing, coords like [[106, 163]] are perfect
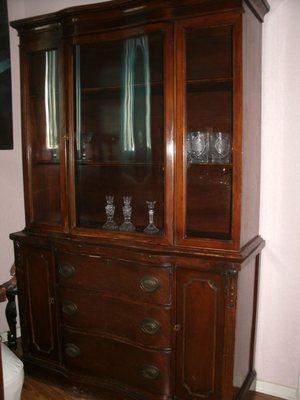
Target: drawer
[[135, 281], [148, 325], [112, 361]]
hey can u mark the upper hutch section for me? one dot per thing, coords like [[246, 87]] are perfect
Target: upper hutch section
[[119, 13], [136, 121]]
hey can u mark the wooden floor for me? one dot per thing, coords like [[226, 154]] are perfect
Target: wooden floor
[[36, 390]]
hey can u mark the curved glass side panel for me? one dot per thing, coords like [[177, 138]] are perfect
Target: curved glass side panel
[[43, 128]]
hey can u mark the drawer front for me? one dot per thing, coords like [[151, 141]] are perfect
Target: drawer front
[[140, 282], [148, 325], [114, 362]]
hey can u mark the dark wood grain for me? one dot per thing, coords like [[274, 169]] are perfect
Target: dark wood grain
[[130, 315]]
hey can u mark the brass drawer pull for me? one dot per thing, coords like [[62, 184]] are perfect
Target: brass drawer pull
[[150, 372], [72, 350], [150, 326], [149, 284], [69, 308], [66, 270]]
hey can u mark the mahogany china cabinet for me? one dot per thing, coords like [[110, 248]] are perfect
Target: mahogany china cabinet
[[138, 265]]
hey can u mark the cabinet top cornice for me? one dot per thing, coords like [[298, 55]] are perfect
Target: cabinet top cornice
[[126, 12]]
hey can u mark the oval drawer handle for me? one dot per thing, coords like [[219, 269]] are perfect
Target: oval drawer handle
[[150, 372], [150, 326], [149, 284], [66, 270], [69, 308], [72, 350]]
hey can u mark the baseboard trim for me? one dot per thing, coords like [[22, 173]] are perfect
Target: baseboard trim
[[273, 389]]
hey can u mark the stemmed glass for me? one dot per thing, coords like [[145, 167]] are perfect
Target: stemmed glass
[[127, 212], [151, 228], [197, 145], [220, 148], [110, 224]]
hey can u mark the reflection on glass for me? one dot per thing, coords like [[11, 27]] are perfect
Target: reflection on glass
[[119, 100], [51, 103], [136, 96], [43, 129], [78, 100]]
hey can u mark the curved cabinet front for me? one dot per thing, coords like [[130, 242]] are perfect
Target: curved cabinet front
[[116, 364]]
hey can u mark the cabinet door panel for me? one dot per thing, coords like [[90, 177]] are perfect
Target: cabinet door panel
[[207, 130], [198, 354], [40, 303], [123, 106]]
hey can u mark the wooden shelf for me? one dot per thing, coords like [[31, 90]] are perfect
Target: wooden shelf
[[117, 88], [212, 165], [117, 164], [214, 84]]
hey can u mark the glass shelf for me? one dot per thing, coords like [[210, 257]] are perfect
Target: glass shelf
[[118, 88], [117, 164]]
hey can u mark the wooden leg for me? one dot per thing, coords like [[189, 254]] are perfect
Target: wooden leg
[[11, 316]]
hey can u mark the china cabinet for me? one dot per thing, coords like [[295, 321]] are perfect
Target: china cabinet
[[139, 262]]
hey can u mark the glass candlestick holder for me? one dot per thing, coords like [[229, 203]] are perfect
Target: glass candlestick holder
[[151, 229], [127, 225], [110, 224]]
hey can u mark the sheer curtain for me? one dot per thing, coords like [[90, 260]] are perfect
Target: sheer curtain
[[136, 98], [51, 106]]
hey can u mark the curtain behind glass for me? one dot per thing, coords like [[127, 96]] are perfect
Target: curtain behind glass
[[136, 100], [51, 105]]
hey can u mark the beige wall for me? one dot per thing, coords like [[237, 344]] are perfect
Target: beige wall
[[278, 344]]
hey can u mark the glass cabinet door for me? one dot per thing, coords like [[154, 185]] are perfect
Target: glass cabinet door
[[206, 130], [43, 134], [120, 124]]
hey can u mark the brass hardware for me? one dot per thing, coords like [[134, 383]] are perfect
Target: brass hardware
[[67, 270], [149, 284], [150, 372], [51, 300], [177, 327], [72, 350], [150, 326], [69, 308]]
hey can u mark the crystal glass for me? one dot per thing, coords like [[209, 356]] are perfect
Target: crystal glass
[[220, 148], [197, 145], [110, 224], [151, 228], [127, 212]]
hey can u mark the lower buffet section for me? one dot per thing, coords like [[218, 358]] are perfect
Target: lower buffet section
[[146, 326]]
